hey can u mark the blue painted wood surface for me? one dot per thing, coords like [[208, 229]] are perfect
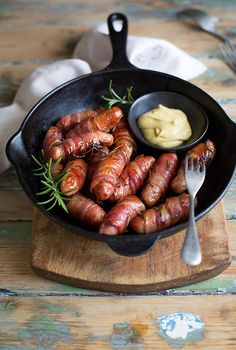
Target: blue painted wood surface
[[39, 314]]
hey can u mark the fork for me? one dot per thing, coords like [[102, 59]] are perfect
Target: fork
[[194, 176], [228, 50], [205, 22]]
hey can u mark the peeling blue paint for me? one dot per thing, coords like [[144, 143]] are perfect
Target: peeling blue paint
[[8, 305], [181, 328], [125, 337], [45, 332], [226, 4], [14, 347], [57, 308]]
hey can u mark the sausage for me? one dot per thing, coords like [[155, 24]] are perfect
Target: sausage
[[80, 144], [68, 121], [56, 169], [105, 177], [160, 176], [132, 177], [95, 158], [123, 140], [85, 210], [76, 175], [118, 218], [104, 122], [173, 211], [204, 151], [53, 137]]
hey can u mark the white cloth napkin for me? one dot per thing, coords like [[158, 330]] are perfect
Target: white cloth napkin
[[147, 53], [93, 52]]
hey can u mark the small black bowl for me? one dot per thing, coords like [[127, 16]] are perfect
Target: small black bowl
[[197, 117]]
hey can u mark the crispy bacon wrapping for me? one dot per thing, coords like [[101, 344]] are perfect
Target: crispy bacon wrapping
[[105, 177], [160, 176], [118, 218], [173, 211], [132, 177], [80, 144], [85, 210], [95, 158], [104, 121], [203, 151], [68, 121], [56, 169], [76, 175], [53, 137], [123, 140]]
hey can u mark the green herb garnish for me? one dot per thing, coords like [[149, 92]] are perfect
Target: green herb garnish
[[114, 98], [50, 184]]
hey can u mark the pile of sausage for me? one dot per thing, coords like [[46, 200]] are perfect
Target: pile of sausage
[[98, 151]]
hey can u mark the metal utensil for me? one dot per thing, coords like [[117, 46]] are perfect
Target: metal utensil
[[201, 19], [205, 22], [195, 172], [229, 52]]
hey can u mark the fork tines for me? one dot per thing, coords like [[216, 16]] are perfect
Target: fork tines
[[228, 50], [194, 163]]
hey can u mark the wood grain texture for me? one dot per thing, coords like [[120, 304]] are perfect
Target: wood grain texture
[[57, 32], [66, 258], [17, 278], [119, 323], [50, 315]]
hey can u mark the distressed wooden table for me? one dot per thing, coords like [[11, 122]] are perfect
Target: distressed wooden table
[[36, 313]]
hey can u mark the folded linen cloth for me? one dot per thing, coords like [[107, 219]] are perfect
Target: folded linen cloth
[[143, 52], [93, 52]]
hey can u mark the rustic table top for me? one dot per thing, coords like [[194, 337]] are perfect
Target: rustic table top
[[36, 313]]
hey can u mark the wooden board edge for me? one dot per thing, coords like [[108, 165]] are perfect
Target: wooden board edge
[[120, 288]]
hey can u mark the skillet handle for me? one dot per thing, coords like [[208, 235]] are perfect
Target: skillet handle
[[134, 247], [118, 41], [14, 148]]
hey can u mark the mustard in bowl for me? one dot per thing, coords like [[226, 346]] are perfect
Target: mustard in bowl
[[167, 121]]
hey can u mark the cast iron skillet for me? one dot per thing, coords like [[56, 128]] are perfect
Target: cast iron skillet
[[84, 92]]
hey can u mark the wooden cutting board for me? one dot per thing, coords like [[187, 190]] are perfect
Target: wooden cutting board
[[62, 256]]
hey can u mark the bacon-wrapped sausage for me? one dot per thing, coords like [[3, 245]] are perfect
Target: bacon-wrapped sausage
[[95, 158], [56, 169], [80, 144], [132, 177], [104, 122], [68, 121], [123, 140], [85, 210], [160, 176], [203, 151], [173, 211], [105, 176], [118, 218], [53, 136], [76, 175]]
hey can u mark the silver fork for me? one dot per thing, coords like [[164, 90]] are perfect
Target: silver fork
[[228, 50], [207, 23], [194, 176]]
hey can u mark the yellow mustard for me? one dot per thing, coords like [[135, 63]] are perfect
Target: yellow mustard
[[165, 127]]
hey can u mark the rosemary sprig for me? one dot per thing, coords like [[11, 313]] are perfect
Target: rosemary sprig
[[114, 98], [50, 185]]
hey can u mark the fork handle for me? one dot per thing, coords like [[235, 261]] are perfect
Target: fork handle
[[221, 37], [191, 251]]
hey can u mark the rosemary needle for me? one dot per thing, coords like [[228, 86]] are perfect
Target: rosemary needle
[[50, 185], [114, 98]]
